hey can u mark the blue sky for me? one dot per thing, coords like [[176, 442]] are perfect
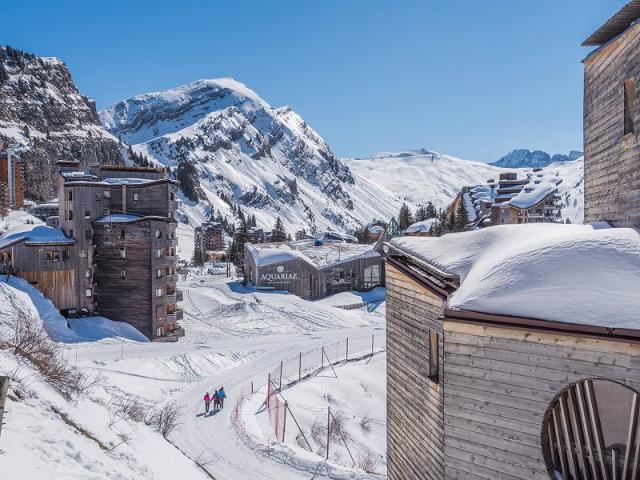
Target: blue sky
[[470, 78]]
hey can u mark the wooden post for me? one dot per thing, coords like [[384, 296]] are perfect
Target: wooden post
[[268, 391], [322, 359], [328, 425], [372, 344], [281, 364], [300, 367], [284, 421], [4, 390], [251, 386], [346, 353]]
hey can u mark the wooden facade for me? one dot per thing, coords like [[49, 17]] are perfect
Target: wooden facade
[[310, 281], [513, 399], [612, 122]]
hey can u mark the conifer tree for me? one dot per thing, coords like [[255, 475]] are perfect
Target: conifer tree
[[405, 218], [279, 234], [198, 257], [431, 211], [461, 218]]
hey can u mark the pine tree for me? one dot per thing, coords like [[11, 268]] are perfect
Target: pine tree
[[462, 218], [431, 211], [198, 257], [405, 218], [4, 76], [279, 234]]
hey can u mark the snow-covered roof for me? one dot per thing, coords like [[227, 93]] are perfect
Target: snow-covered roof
[[565, 273], [337, 235], [128, 181], [35, 235], [119, 218], [376, 229], [76, 175], [319, 255], [423, 226]]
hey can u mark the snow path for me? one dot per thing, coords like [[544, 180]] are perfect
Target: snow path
[[214, 438]]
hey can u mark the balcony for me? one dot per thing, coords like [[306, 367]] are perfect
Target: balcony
[[171, 298], [176, 316], [179, 296]]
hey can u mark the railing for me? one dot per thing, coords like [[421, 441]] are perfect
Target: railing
[[179, 314], [179, 296], [171, 298]]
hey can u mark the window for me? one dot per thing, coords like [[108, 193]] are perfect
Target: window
[[629, 106], [592, 424], [106, 211], [172, 196], [106, 194], [172, 252], [87, 215], [123, 253], [65, 254], [87, 273], [121, 234], [159, 273], [434, 354], [158, 234], [159, 253], [135, 197], [159, 332], [88, 293], [123, 274], [158, 292], [70, 195], [372, 276], [98, 196], [71, 233], [88, 234], [70, 215], [53, 256]]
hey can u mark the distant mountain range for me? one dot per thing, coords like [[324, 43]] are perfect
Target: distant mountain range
[[523, 158]]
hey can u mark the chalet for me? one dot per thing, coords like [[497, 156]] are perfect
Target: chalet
[[422, 229], [505, 361], [114, 252], [313, 269], [209, 237], [612, 121]]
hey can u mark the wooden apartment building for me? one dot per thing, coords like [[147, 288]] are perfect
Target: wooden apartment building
[[114, 252], [612, 120]]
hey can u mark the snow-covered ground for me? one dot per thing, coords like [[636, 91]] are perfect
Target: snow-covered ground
[[234, 335], [356, 395]]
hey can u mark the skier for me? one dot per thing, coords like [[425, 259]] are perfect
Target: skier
[[221, 396], [216, 401], [207, 401]]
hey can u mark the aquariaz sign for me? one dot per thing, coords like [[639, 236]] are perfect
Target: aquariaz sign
[[279, 276]]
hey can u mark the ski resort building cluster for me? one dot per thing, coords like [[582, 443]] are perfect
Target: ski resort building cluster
[[114, 252], [533, 198], [314, 268], [209, 237]]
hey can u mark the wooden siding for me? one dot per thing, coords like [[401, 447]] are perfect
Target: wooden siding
[[612, 159], [415, 421], [499, 383]]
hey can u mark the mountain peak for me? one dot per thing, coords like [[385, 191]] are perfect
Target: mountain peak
[[525, 158]]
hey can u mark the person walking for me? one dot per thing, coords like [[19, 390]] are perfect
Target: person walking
[[221, 396], [207, 402], [216, 401]]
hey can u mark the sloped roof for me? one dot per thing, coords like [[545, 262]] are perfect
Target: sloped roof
[[35, 235], [615, 25]]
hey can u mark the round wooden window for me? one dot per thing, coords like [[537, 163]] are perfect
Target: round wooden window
[[591, 432]]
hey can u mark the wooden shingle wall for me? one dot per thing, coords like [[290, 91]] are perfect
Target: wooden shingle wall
[[499, 383], [612, 159], [415, 422]]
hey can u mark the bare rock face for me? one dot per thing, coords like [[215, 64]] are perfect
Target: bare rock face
[[230, 149], [42, 110]]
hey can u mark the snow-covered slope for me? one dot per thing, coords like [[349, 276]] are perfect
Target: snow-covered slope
[[266, 160], [420, 176]]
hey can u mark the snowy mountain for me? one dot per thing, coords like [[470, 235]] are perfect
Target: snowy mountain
[[42, 109], [523, 158], [419, 176], [230, 148]]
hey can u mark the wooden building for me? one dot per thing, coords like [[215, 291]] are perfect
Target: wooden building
[[612, 121], [474, 394], [118, 223], [313, 269]]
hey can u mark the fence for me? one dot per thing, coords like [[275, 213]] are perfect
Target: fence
[[332, 433]]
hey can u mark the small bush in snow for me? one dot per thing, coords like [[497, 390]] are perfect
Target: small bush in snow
[[165, 418], [337, 429], [130, 408], [365, 425], [367, 461], [32, 343]]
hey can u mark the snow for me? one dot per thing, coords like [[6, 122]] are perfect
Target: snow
[[119, 218], [322, 255], [565, 273], [35, 235], [422, 227], [127, 181], [530, 197]]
